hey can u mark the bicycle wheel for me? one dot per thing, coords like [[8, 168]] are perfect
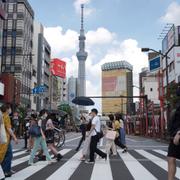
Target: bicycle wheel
[[62, 139], [56, 138]]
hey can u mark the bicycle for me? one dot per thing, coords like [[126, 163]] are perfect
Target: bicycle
[[59, 137]]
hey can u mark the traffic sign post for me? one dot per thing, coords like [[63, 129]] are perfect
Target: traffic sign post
[[155, 63], [39, 89]]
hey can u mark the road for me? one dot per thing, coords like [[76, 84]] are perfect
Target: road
[[145, 160]]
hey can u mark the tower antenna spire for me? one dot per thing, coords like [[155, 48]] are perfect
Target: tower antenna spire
[[82, 16]]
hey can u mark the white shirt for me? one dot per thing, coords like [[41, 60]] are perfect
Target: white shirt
[[97, 123]]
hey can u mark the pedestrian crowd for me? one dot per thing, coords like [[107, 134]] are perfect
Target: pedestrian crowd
[[39, 138], [92, 132]]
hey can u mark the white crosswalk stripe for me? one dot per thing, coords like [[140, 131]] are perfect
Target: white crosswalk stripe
[[68, 168], [101, 168], [158, 161], [25, 173], [135, 168]]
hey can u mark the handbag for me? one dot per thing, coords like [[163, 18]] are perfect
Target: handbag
[[3, 137], [111, 135], [35, 131], [99, 134]]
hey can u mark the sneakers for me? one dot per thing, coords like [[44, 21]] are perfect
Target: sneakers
[[125, 150], [9, 174], [51, 162], [89, 162], [30, 163], [59, 157]]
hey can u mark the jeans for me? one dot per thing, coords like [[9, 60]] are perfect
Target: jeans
[[39, 141], [94, 149], [6, 164]]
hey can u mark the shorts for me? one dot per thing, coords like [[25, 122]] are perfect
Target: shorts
[[174, 150]]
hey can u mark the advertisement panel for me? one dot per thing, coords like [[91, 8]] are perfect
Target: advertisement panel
[[58, 68], [114, 83], [169, 40]]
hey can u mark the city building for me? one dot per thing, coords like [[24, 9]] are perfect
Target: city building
[[171, 64], [18, 44], [72, 89], [40, 68], [2, 18], [117, 80], [82, 56]]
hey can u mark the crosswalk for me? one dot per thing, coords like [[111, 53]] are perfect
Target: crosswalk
[[138, 164]]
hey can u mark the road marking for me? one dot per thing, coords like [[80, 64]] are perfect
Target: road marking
[[30, 170], [158, 161], [66, 171], [20, 160], [102, 169], [19, 153], [136, 169], [164, 153], [72, 139]]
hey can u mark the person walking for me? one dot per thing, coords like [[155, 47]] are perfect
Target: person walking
[[6, 154], [95, 130], [110, 145], [86, 146], [174, 145], [39, 140], [117, 129], [122, 131], [83, 131], [49, 133]]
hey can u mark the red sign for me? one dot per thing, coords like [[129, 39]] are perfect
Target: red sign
[[58, 68]]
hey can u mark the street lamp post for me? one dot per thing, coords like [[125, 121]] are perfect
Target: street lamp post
[[167, 84]]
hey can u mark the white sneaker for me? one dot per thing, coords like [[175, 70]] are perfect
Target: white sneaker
[[52, 161]]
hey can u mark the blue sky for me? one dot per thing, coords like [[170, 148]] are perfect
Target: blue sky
[[138, 19], [115, 30]]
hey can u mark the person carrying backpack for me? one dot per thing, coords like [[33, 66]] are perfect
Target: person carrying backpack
[[49, 133], [39, 140], [174, 145]]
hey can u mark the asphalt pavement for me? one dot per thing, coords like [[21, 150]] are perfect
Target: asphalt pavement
[[145, 160]]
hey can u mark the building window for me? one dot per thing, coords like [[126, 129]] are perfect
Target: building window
[[151, 89]]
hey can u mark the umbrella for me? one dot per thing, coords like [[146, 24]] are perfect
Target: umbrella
[[83, 101]]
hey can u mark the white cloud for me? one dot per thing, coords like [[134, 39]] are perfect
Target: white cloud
[[61, 41], [111, 49], [172, 14], [87, 10], [100, 36]]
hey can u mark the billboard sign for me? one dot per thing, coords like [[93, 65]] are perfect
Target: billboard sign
[[58, 68], [155, 63], [170, 40]]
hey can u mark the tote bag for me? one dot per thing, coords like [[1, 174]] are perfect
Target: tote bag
[[1, 173], [3, 137], [110, 135]]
